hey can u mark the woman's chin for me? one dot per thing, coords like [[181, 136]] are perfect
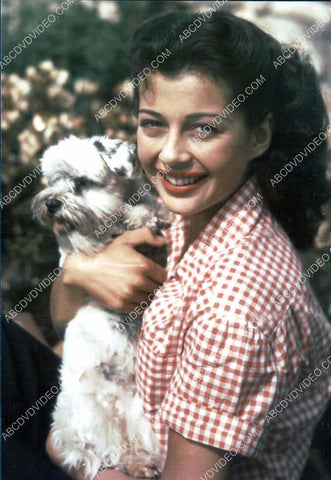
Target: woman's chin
[[184, 207]]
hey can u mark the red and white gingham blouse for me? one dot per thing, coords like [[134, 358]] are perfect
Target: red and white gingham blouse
[[219, 355]]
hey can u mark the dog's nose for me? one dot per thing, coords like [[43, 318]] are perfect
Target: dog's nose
[[53, 205]]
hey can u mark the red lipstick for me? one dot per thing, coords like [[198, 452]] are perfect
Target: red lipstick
[[182, 182]]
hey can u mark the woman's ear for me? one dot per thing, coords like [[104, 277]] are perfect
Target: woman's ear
[[262, 136]]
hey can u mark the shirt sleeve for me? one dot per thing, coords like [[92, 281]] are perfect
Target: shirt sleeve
[[224, 385]]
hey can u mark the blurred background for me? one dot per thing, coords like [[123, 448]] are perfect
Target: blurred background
[[57, 84]]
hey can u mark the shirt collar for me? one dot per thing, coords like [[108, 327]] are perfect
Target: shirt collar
[[235, 220]]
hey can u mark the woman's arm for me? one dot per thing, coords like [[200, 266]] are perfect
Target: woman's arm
[[186, 460], [189, 460], [119, 277]]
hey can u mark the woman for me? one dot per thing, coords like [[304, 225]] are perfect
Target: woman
[[235, 329]]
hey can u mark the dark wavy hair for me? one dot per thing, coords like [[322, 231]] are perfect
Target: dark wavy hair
[[235, 50]]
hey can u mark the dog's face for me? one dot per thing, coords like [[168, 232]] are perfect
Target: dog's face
[[88, 180]]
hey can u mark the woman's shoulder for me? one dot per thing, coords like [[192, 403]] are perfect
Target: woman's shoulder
[[252, 277], [264, 257]]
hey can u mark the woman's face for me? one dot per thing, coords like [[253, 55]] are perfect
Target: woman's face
[[171, 112]]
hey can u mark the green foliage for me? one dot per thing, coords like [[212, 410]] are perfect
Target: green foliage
[[78, 41]]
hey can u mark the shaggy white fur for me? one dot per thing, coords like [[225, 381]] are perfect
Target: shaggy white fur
[[98, 420]]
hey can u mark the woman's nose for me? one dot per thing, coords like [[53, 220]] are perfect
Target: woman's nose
[[174, 150]]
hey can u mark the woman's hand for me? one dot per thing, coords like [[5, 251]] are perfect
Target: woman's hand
[[119, 277]]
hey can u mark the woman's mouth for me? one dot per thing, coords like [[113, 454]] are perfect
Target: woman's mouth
[[182, 182]]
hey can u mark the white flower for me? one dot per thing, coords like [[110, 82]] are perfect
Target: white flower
[[82, 86], [46, 66], [38, 123]]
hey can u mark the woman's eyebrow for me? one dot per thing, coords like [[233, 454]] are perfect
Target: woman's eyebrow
[[190, 116], [151, 112]]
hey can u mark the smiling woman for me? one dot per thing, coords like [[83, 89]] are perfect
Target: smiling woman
[[232, 54], [203, 360]]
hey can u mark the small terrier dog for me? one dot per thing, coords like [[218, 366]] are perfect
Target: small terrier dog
[[98, 412]]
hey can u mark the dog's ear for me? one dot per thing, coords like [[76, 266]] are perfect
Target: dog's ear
[[120, 157]]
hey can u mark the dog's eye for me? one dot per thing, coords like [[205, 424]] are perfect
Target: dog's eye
[[82, 183]]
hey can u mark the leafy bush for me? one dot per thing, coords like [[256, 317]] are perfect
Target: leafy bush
[[54, 88], [78, 41]]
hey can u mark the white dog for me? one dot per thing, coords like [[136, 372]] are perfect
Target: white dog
[[98, 420]]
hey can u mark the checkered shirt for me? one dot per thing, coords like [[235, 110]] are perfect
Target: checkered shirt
[[228, 344]]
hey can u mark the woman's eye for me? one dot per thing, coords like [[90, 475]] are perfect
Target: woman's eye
[[151, 128], [206, 128], [150, 123]]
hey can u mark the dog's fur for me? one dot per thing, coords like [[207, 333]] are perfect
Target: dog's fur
[[98, 411]]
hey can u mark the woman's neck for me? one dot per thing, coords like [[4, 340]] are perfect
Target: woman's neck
[[198, 222]]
